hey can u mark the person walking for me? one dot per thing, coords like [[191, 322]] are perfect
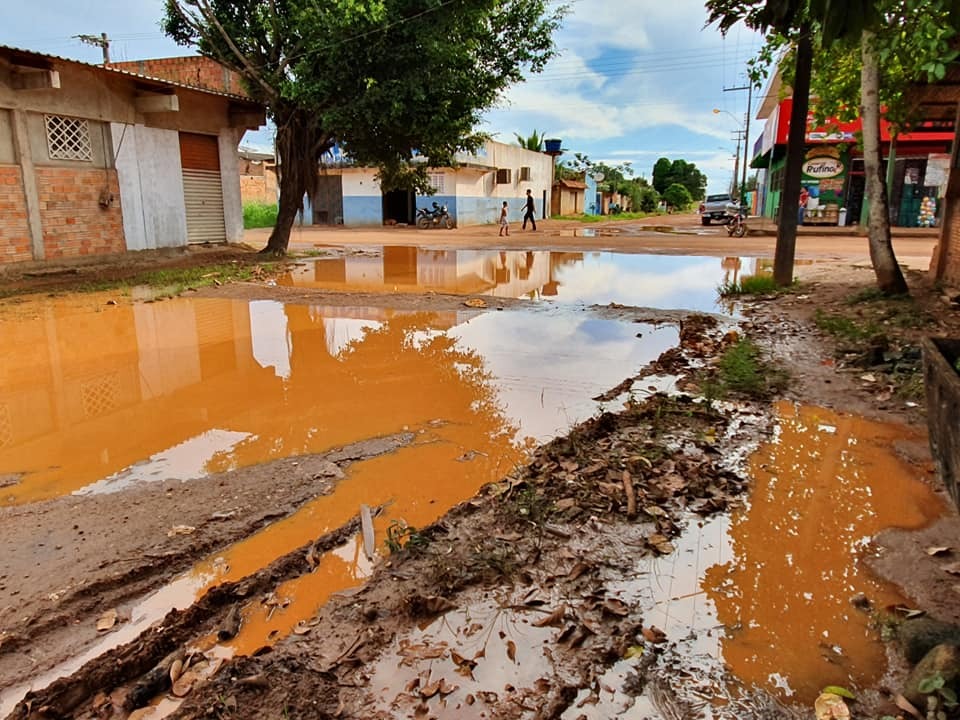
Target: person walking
[[531, 211], [504, 226]]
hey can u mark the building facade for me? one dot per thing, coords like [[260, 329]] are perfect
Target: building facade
[[833, 170], [473, 191], [97, 160]]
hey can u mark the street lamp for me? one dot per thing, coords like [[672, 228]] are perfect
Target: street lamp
[[746, 146]]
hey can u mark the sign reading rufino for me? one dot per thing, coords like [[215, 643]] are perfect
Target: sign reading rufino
[[823, 162]]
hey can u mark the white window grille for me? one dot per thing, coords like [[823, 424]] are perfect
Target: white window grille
[[68, 138], [436, 182]]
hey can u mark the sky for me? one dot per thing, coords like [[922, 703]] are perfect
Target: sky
[[633, 80]]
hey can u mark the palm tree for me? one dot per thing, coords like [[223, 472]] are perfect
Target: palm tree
[[533, 142]]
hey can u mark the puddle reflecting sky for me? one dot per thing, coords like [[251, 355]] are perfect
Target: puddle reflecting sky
[[96, 401], [660, 281]]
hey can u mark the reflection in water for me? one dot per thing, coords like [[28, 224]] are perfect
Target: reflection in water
[[825, 486], [661, 281]]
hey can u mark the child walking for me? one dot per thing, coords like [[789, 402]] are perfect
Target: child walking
[[504, 226]]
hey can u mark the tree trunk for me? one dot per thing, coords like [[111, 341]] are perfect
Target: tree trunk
[[790, 199], [300, 144], [890, 279]]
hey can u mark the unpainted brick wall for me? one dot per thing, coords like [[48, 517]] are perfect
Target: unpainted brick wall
[[73, 221], [198, 71], [14, 230]]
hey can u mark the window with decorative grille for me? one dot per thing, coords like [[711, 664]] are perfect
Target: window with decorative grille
[[436, 181], [68, 138]]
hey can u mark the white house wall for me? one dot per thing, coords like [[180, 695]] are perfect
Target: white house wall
[[362, 199], [227, 143], [151, 186], [479, 196]]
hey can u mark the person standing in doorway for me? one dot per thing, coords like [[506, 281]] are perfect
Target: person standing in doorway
[[804, 197], [531, 212], [504, 225]]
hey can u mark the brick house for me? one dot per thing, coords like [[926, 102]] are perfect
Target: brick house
[[97, 160]]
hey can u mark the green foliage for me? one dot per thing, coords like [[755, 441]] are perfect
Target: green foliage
[[174, 281], [750, 285], [743, 371], [644, 198], [843, 327], [401, 536], [534, 141], [841, 691], [259, 215], [384, 78], [677, 196], [666, 173]]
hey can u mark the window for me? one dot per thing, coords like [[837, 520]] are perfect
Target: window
[[68, 138], [524, 174], [436, 181], [503, 176]]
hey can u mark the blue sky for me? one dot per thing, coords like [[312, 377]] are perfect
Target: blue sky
[[634, 80]]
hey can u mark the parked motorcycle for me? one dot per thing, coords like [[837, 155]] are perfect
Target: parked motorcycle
[[735, 220], [438, 217]]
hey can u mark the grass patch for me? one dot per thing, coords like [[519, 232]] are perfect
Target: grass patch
[[259, 215], [177, 280], [873, 294], [603, 218], [742, 370], [750, 285], [845, 328]]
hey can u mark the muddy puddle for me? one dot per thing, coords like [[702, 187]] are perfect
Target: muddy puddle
[[658, 281], [756, 604], [98, 398]]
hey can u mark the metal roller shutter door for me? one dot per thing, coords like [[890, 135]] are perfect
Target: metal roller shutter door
[[202, 188]]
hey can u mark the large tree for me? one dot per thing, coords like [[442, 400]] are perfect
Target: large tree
[[387, 79], [666, 173]]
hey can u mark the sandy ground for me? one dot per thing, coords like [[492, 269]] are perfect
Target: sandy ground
[[59, 569]]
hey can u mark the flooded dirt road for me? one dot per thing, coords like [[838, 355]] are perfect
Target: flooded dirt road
[[153, 451]]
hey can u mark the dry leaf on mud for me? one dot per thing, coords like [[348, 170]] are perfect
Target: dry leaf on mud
[[564, 504], [184, 684], [937, 551], [107, 620], [554, 618], [952, 568], [660, 543], [512, 650], [430, 690], [577, 570], [181, 530], [654, 634], [176, 669], [907, 706], [301, 628], [475, 303], [413, 653], [615, 606], [829, 706], [141, 714]]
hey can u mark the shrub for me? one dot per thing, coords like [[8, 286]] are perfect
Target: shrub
[[259, 215]]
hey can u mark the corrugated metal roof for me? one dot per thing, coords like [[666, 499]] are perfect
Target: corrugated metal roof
[[119, 71]]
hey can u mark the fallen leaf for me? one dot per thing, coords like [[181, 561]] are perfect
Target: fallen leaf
[[512, 650], [841, 691], [565, 504], [577, 570], [430, 690], [554, 618], [830, 706], [181, 530], [107, 620], [301, 628], [937, 551], [653, 634], [907, 706], [661, 544], [633, 651], [475, 303], [952, 568], [446, 688], [614, 606], [869, 377], [176, 670]]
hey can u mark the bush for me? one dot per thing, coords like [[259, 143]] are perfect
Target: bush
[[648, 200], [259, 215], [677, 196]]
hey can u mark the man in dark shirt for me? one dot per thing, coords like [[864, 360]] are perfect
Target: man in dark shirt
[[530, 213]]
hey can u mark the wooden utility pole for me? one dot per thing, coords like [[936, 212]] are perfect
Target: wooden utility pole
[[103, 42]]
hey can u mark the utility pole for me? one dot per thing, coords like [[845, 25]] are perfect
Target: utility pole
[[746, 135], [103, 42], [738, 134]]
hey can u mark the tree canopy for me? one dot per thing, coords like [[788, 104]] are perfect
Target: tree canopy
[[666, 173], [533, 141], [384, 78], [677, 196]]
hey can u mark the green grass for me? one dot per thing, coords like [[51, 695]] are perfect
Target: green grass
[[844, 328], [750, 285], [177, 280], [743, 371], [259, 215], [603, 218]]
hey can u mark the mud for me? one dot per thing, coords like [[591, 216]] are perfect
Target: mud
[[529, 592]]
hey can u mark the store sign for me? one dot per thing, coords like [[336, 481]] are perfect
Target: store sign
[[822, 167]]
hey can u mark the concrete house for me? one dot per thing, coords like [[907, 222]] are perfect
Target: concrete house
[[97, 160], [473, 191]]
